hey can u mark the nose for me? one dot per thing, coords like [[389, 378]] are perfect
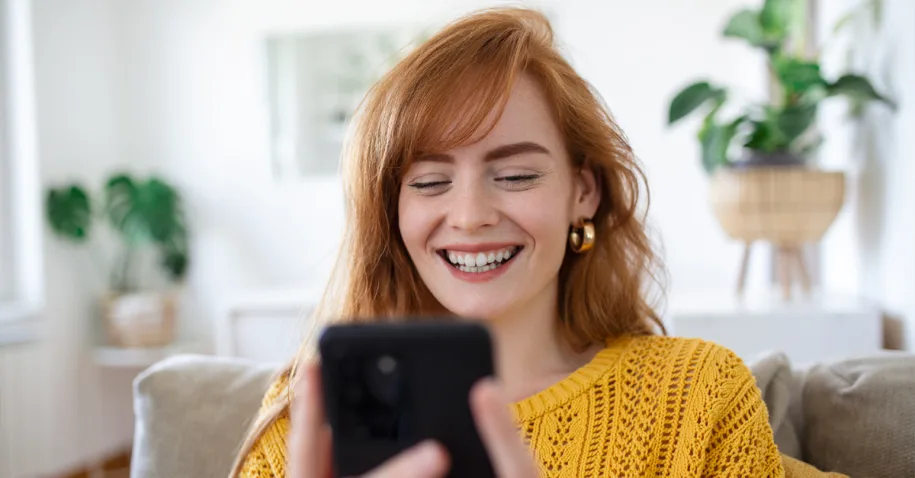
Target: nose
[[471, 208]]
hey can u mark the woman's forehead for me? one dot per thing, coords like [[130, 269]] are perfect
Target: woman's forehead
[[525, 117]]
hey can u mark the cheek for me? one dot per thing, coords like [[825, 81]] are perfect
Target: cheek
[[545, 218], [413, 223]]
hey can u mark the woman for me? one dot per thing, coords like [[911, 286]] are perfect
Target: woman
[[486, 179]]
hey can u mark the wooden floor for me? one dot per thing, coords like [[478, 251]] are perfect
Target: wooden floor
[[115, 466]]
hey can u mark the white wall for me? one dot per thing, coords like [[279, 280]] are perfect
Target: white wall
[[872, 250], [193, 105], [61, 409]]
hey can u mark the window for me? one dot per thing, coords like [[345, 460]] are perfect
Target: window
[[20, 199], [7, 283]]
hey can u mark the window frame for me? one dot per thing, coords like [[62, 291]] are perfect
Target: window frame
[[21, 303]]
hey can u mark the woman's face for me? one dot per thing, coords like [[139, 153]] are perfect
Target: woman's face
[[486, 224]]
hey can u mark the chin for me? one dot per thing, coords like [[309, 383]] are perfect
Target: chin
[[485, 311]]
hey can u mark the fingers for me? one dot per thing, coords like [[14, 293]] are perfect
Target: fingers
[[426, 460], [510, 457], [309, 445]]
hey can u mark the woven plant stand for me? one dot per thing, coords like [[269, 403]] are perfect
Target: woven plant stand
[[787, 207], [140, 320]]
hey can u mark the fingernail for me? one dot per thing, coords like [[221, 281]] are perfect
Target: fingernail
[[495, 390]]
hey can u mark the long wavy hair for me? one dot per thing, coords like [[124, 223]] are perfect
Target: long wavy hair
[[437, 98]]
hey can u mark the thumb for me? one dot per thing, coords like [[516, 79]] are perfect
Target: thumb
[[309, 442], [426, 460], [510, 457]]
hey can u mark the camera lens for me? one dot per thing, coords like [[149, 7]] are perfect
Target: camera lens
[[387, 365], [384, 379]]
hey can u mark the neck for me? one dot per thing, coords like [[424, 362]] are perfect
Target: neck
[[530, 354]]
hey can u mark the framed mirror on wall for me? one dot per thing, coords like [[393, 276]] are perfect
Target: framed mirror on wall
[[315, 82]]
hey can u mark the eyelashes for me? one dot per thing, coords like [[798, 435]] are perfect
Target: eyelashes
[[516, 181], [420, 186], [519, 179]]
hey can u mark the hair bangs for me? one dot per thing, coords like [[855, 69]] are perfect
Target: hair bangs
[[452, 91]]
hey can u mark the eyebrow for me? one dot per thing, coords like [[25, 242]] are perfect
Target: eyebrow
[[494, 154]]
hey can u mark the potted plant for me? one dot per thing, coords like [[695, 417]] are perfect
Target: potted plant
[[763, 185], [145, 216]]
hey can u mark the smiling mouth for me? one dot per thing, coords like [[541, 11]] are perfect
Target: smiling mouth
[[478, 262]]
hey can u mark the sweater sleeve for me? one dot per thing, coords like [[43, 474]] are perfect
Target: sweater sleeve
[[740, 441], [266, 457]]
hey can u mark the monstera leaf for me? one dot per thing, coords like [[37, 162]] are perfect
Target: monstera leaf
[[143, 212], [149, 212], [69, 212]]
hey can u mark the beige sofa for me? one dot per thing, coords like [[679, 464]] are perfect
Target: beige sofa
[[854, 416]]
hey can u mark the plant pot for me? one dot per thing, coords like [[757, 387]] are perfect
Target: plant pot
[[783, 205], [140, 320]]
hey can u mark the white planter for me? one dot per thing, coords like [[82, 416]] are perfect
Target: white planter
[[141, 319]]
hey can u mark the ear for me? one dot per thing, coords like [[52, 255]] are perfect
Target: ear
[[588, 186]]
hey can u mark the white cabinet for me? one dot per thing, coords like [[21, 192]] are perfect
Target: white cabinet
[[267, 325], [811, 330]]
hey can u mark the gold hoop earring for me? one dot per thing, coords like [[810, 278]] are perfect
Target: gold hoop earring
[[581, 238]]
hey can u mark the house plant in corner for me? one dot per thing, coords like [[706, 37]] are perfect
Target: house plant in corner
[[763, 185], [146, 216]]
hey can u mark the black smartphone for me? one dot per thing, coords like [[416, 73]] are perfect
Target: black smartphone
[[389, 386]]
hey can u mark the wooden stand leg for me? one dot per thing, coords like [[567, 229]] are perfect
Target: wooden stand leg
[[800, 267], [784, 270], [742, 275]]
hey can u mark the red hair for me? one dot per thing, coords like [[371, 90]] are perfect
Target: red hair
[[461, 74]]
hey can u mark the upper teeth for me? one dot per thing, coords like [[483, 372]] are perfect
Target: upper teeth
[[471, 259]]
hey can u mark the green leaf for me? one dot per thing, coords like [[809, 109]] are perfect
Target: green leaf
[[775, 19], [715, 139], [149, 212], [857, 88], [798, 76], [747, 25], [793, 121], [690, 98], [124, 210], [766, 136], [174, 257], [69, 212]]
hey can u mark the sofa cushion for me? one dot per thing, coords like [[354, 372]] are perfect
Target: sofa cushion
[[780, 388], [192, 413], [860, 416]]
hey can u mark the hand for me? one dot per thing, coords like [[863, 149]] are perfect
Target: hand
[[309, 446]]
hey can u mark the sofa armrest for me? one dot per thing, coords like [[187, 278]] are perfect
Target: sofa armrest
[[192, 413]]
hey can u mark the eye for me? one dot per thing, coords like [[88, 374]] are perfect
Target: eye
[[428, 187], [427, 184], [516, 181]]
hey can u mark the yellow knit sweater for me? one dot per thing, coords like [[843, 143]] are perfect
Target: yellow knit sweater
[[644, 406]]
